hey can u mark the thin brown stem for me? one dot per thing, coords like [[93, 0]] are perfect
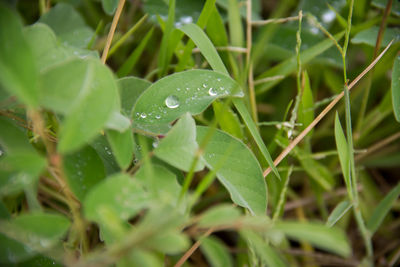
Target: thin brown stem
[[300, 137], [189, 253], [379, 145], [112, 30]]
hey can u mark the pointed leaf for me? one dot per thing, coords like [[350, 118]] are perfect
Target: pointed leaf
[[380, 212], [237, 169], [342, 148], [171, 97], [339, 211], [122, 146], [216, 252], [330, 239], [84, 169], [179, 147]]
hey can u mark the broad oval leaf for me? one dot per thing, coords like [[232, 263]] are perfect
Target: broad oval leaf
[[86, 93], [179, 147], [122, 146], [119, 193], [396, 88], [84, 169], [189, 91], [237, 169], [68, 25], [369, 36], [331, 239], [18, 70]]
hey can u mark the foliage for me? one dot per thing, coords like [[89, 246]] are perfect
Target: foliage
[[133, 134]]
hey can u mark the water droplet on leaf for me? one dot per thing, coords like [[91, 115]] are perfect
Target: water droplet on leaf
[[172, 101], [212, 92]]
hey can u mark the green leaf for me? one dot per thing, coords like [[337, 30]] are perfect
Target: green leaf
[[18, 70], [179, 147], [19, 171], [330, 239], [396, 88], [122, 146], [369, 36], [12, 138], [119, 193], [227, 119], [29, 234], [216, 252], [306, 109], [237, 169], [68, 25], [171, 97], [109, 6], [206, 47], [166, 49], [84, 169], [103, 149], [162, 182], [130, 88], [222, 214], [380, 212], [338, 212], [47, 50], [86, 93], [343, 150], [168, 242], [263, 250], [240, 106], [235, 24]]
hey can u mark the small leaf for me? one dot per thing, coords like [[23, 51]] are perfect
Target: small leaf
[[306, 111], [179, 147], [339, 211], [263, 250], [86, 93], [47, 50], [330, 239], [119, 193], [237, 169], [12, 138], [220, 215], [163, 182], [103, 149], [216, 252], [171, 97], [396, 88], [169, 242], [84, 169], [18, 70], [342, 148], [380, 212], [109, 6], [122, 146], [68, 25], [130, 88]]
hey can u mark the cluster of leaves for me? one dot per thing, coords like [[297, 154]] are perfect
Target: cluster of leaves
[[101, 167]]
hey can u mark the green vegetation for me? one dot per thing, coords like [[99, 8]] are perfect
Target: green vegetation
[[199, 133]]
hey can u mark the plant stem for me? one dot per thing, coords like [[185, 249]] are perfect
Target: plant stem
[[112, 30]]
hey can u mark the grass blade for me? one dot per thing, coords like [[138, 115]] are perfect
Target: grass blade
[[339, 211], [396, 88], [382, 209]]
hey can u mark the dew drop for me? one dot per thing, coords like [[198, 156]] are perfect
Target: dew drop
[[143, 115], [158, 117], [178, 89], [172, 101], [212, 92], [219, 79], [204, 85]]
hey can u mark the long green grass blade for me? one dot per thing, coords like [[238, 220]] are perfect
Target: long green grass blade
[[164, 50], [340, 210], [382, 209], [343, 152]]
